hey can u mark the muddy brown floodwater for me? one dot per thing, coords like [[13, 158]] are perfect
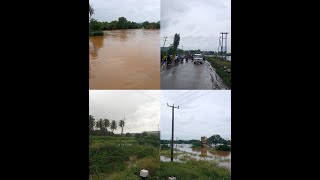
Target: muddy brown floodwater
[[125, 59]]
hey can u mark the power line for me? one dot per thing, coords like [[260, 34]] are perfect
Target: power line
[[187, 96], [197, 97], [154, 92], [180, 95], [147, 95]]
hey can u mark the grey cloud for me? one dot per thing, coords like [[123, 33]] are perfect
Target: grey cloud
[[199, 23], [133, 10], [115, 104], [203, 116]]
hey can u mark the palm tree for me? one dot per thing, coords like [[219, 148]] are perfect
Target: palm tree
[[91, 123], [113, 125], [106, 124], [121, 124], [91, 10], [100, 125]]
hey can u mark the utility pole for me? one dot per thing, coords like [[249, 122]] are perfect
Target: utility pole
[[224, 50], [172, 133], [222, 42], [219, 45]]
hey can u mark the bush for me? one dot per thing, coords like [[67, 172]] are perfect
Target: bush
[[97, 33], [152, 164], [223, 148], [196, 144]]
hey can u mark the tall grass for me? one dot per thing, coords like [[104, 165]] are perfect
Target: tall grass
[[193, 170]]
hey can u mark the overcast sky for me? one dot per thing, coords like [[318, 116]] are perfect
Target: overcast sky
[[206, 115], [141, 108], [133, 10], [199, 22]]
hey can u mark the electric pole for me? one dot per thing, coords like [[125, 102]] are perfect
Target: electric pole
[[172, 133], [224, 50], [219, 45], [222, 42]]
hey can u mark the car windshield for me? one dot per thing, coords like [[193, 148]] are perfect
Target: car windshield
[[197, 56]]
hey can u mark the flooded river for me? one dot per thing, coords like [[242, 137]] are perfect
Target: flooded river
[[125, 59], [223, 158]]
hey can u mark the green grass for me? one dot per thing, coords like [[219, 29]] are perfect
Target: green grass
[[218, 65], [193, 170], [109, 159], [97, 141]]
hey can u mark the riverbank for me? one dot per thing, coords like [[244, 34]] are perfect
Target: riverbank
[[223, 69]]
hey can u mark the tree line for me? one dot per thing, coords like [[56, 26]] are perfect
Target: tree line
[[96, 28], [122, 23], [214, 139], [103, 125]]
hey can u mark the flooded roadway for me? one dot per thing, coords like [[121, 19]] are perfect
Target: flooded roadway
[[125, 59], [223, 158], [190, 76]]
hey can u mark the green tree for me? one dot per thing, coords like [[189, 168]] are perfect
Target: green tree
[[144, 134], [100, 125], [128, 134], [106, 124], [121, 124], [176, 41], [215, 139], [95, 25], [113, 125], [122, 23], [146, 24], [91, 123]]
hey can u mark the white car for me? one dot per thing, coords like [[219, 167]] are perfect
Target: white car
[[198, 59]]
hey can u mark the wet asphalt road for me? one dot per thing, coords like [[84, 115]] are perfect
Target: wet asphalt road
[[190, 76]]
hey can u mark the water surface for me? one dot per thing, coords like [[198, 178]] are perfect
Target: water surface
[[125, 59]]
